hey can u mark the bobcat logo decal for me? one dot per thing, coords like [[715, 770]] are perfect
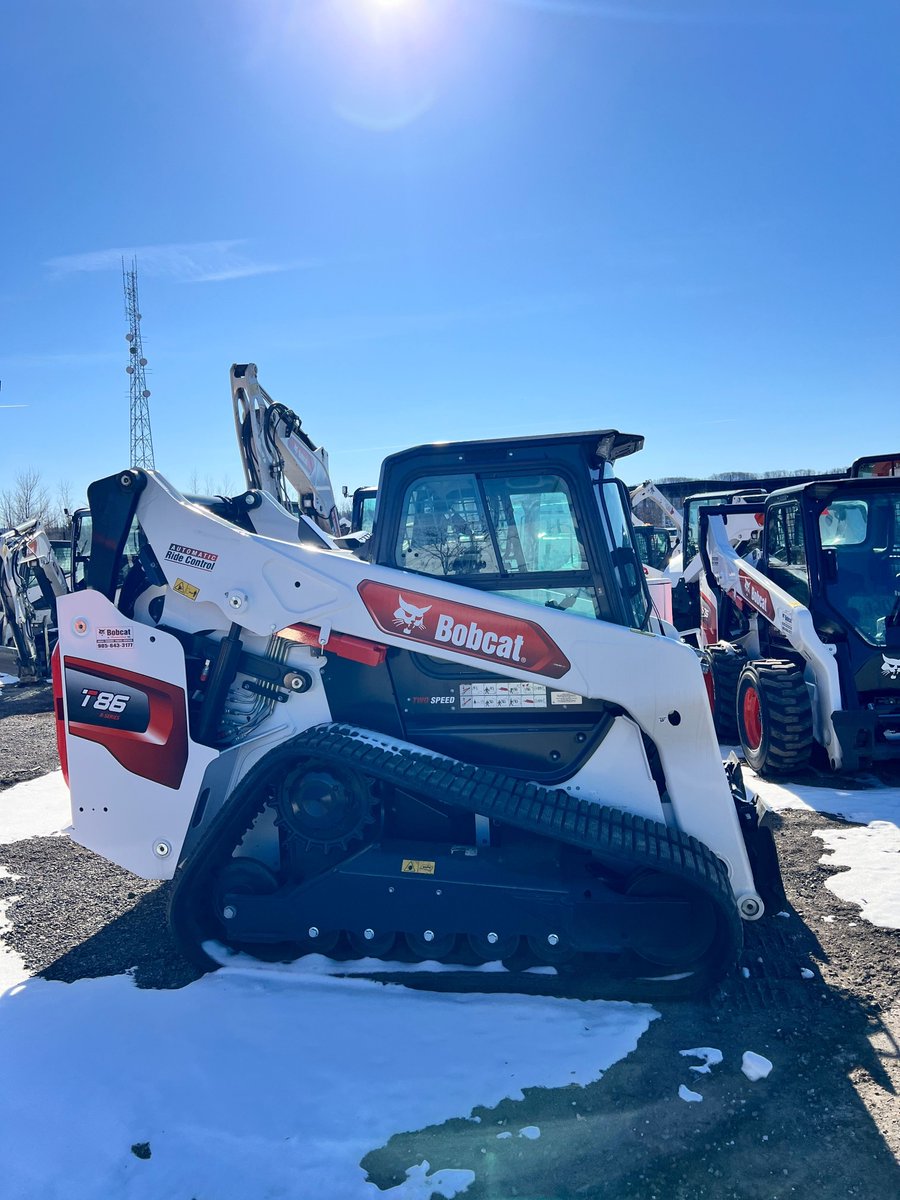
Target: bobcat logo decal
[[408, 617], [890, 667]]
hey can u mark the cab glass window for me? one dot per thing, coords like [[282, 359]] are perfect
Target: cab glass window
[[519, 533], [844, 523], [534, 523], [623, 552], [445, 530], [786, 550]]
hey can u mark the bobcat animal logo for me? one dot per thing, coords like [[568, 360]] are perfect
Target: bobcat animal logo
[[407, 617], [890, 667]]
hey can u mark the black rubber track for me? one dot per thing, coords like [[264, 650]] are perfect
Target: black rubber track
[[785, 713], [624, 841]]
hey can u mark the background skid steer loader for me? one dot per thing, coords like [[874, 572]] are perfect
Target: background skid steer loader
[[31, 580], [803, 647], [470, 744]]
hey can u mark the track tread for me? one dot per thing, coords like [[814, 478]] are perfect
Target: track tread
[[623, 840]]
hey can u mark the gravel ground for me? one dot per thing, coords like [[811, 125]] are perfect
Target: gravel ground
[[826, 1122]]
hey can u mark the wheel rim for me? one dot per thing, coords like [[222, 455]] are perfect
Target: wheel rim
[[752, 716]]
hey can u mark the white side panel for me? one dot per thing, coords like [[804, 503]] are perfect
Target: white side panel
[[618, 774], [121, 815]]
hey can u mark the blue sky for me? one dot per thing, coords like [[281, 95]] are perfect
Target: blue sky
[[439, 219]]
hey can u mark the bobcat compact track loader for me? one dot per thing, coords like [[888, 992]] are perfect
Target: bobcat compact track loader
[[470, 744]]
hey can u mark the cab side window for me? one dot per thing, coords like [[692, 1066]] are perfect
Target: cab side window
[[786, 550], [515, 534]]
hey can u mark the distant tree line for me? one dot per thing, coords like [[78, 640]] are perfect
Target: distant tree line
[[29, 496]]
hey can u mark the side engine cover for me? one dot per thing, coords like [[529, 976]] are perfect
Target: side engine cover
[[121, 703]]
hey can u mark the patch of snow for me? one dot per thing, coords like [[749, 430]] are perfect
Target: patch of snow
[[419, 1185], [745, 971], [755, 1066], [873, 881], [853, 804], [686, 1094], [333, 1068], [806, 973], [320, 964], [782, 914], [12, 968], [6, 680], [36, 808], [711, 1058], [531, 1132], [504, 1134]]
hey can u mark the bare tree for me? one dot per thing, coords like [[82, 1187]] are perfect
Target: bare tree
[[58, 518], [25, 499]]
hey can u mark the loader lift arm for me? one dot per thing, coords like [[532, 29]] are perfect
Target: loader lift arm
[[278, 454], [650, 492]]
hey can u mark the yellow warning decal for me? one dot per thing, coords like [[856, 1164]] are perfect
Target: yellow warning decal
[[417, 866], [186, 589]]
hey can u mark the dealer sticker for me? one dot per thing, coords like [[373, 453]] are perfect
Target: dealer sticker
[[111, 638]]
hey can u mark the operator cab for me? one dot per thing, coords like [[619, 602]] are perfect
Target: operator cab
[[542, 520], [519, 518], [655, 544], [362, 518], [876, 466], [694, 505], [835, 547]]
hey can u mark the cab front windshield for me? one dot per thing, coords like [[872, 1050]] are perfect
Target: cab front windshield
[[860, 539]]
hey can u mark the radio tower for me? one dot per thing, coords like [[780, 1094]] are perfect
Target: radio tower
[[141, 438]]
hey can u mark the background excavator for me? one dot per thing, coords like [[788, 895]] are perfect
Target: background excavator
[[471, 744]]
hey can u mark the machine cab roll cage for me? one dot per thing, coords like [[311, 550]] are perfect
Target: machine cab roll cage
[[541, 519]]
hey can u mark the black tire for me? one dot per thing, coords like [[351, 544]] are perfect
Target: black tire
[[774, 717], [723, 665]]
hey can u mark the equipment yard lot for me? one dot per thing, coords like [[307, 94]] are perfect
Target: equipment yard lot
[[269, 1080]]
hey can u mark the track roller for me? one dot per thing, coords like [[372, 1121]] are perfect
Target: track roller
[[488, 947], [428, 945]]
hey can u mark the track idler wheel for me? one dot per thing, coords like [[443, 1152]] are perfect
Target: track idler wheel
[[693, 940], [436, 946], [249, 877]]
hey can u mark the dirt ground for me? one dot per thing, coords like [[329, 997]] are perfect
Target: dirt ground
[[825, 1123]]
